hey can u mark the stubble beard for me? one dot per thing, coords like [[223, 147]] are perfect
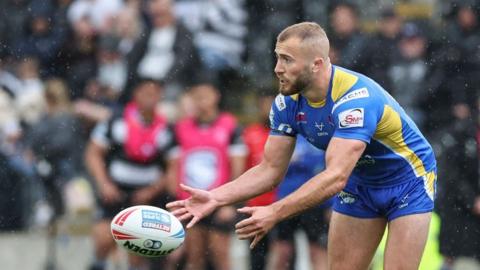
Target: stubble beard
[[302, 83]]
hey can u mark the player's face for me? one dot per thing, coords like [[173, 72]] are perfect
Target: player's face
[[291, 69], [205, 97], [147, 96]]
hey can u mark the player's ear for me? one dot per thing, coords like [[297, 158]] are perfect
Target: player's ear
[[317, 64]]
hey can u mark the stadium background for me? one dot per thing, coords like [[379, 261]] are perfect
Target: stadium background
[[426, 54]]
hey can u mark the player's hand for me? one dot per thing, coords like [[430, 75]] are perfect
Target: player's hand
[[261, 221], [200, 204], [110, 193]]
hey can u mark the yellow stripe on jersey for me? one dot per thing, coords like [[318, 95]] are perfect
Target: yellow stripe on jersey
[[389, 133], [342, 82], [294, 97]]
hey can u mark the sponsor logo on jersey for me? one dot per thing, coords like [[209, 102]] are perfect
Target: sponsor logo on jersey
[[280, 102], [355, 94], [351, 118], [156, 220]]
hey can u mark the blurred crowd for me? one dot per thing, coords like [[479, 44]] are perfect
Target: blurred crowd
[[78, 76]]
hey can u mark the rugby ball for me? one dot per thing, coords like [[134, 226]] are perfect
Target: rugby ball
[[147, 231]]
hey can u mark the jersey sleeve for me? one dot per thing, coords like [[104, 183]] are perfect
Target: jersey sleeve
[[237, 146], [166, 139], [280, 122], [357, 118], [100, 134]]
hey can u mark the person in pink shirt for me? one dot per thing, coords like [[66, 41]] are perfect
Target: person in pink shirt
[[210, 152]]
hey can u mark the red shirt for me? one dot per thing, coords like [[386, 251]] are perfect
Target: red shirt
[[254, 137]]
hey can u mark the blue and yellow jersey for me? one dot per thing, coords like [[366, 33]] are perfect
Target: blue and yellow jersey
[[358, 108]]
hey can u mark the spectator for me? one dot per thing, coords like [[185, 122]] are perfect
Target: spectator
[[126, 156], [13, 19], [166, 52], [44, 37], [456, 149], [28, 71], [112, 66], [266, 18], [15, 168], [79, 61], [100, 14], [382, 48], [219, 31], [57, 143], [210, 153], [346, 37], [409, 72], [455, 66]]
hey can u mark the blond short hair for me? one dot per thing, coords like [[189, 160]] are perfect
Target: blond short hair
[[310, 34]]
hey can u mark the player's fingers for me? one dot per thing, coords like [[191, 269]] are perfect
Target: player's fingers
[[187, 188], [244, 223], [248, 235], [257, 239], [192, 222], [175, 204], [179, 211], [185, 216], [246, 230], [245, 210]]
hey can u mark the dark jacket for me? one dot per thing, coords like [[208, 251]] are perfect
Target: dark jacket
[[457, 188], [186, 66]]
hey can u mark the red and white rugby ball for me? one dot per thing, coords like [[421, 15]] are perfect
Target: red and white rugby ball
[[147, 231]]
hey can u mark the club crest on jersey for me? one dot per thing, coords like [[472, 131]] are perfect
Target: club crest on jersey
[[351, 118], [301, 117], [280, 102], [156, 220], [320, 127]]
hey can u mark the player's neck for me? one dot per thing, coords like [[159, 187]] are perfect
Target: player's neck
[[317, 92], [207, 116]]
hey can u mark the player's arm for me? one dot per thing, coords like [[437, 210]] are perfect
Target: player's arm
[[95, 161], [341, 157], [95, 154], [261, 178], [257, 180]]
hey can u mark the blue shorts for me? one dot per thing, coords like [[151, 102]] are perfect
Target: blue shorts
[[408, 198]]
